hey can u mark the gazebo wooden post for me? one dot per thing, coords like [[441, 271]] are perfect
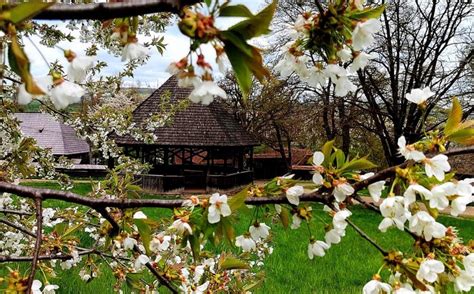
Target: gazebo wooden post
[[165, 160]]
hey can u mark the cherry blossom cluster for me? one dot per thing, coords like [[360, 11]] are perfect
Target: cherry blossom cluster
[[325, 48]]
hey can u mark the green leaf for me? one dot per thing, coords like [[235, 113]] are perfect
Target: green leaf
[[367, 13], [256, 25], [340, 158], [145, 233], [454, 117], [327, 150], [20, 64], [241, 71], [133, 280], [463, 136], [238, 200], [284, 217], [358, 164], [25, 11], [239, 10], [231, 262]]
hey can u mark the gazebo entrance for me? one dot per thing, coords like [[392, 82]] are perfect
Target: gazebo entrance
[[188, 168]]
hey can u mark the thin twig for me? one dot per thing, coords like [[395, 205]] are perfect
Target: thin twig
[[39, 228], [17, 212], [18, 227], [366, 237], [115, 227], [153, 270]]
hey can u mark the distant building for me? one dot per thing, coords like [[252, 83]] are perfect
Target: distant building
[[203, 148], [52, 134], [269, 163]]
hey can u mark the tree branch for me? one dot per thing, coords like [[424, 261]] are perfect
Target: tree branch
[[104, 11], [39, 228], [18, 227]]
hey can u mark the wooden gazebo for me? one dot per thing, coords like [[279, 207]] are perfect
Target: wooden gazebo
[[203, 148]]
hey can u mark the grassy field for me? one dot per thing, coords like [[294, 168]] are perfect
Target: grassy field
[[345, 268]]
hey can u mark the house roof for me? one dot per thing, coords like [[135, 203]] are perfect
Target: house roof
[[196, 125], [50, 133]]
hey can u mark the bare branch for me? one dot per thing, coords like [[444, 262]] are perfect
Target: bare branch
[[18, 227], [39, 228], [104, 11]]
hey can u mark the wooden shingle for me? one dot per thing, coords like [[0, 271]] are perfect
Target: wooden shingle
[[196, 125]]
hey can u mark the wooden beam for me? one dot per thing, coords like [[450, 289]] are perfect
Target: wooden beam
[[104, 11]]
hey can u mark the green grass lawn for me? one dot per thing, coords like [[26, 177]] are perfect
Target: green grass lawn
[[345, 268]]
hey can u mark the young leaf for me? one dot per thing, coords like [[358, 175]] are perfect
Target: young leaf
[[256, 25], [367, 13], [358, 164], [284, 217], [326, 150], [463, 136], [145, 233], [20, 64], [231, 262], [238, 200], [25, 11], [236, 11], [454, 117], [340, 158]]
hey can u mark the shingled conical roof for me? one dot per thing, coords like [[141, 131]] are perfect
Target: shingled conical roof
[[196, 125]]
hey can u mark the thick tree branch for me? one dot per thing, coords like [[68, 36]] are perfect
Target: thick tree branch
[[104, 11]]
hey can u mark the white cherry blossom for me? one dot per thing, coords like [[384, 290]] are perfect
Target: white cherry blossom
[[437, 166], [66, 93], [36, 287], [317, 248], [293, 194], [259, 231], [361, 61], [134, 50], [464, 281], [394, 213], [376, 287], [160, 242], [205, 91], [139, 215], [44, 83], [424, 224], [419, 96], [413, 190], [362, 36], [429, 270], [182, 226], [318, 159], [296, 222], [408, 151], [140, 262], [345, 54], [316, 77], [341, 190], [464, 191], [468, 262], [78, 67], [375, 189], [440, 195], [246, 243], [217, 208], [334, 236], [339, 219], [129, 243], [50, 289]]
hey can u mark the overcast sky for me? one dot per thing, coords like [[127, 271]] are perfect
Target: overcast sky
[[152, 74]]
